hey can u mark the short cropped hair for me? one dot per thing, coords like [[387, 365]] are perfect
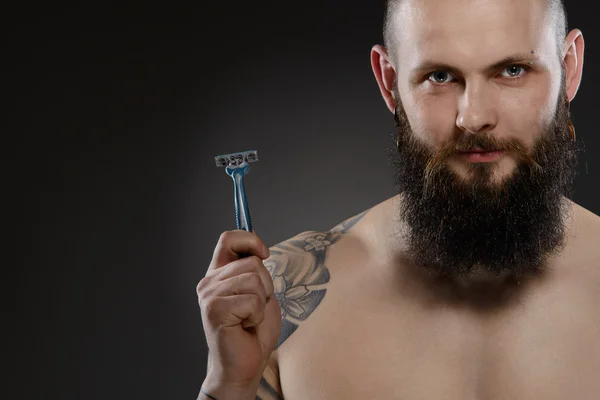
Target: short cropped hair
[[556, 8]]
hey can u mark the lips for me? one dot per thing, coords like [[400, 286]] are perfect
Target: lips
[[480, 155], [478, 150]]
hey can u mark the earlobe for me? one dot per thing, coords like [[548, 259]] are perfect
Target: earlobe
[[384, 74]]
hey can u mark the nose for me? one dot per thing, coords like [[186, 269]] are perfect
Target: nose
[[476, 110]]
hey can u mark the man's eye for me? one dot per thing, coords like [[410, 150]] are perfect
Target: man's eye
[[513, 71], [440, 77]]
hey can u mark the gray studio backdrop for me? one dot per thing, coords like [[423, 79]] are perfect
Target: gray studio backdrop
[[125, 202]]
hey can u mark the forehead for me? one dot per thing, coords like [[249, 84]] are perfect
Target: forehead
[[471, 31]]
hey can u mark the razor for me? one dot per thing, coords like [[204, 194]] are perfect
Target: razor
[[237, 166]]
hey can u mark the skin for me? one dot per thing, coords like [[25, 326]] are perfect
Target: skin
[[381, 329], [358, 322], [477, 95]]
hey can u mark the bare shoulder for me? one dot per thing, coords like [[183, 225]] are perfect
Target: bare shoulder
[[586, 228], [300, 275], [590, 220], [583, 248]]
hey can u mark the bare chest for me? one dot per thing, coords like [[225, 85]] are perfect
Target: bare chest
[[363, 342]]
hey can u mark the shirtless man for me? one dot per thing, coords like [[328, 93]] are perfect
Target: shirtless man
[[480, 280]]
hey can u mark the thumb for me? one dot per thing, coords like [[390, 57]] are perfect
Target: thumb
[[266, 252]]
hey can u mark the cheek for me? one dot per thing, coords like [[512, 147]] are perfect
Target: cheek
[[433, 119], [526, 116], [519, 122]]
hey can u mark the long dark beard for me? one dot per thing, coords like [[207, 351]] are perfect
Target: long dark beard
[[458, 226]]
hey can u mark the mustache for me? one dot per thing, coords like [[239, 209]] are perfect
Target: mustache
[[479, 142]]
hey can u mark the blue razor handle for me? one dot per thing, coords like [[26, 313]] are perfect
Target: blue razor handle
[[237, 165], [242, 213]]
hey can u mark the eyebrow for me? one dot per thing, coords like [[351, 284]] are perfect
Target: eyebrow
[[513, 59]]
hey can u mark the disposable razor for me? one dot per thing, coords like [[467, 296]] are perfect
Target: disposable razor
[[237, 166]]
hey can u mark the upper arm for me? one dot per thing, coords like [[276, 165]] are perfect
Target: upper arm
[[299, 275], [300, 278], [293, 268]]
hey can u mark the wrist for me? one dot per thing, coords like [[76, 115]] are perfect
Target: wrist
[[211, 389]]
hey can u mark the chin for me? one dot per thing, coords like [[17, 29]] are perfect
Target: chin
[[496, 172]]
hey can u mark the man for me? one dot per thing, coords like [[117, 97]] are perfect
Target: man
[[480, 280]]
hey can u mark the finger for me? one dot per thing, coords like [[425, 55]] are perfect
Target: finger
[[248, 283], [251, 264], [233, 245], [232, 310]]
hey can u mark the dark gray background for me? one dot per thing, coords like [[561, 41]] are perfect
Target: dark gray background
[[120, 111]]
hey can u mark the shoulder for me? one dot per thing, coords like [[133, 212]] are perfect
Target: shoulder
[[591, 232], [582, 245], [309, 243], [585, 227], [299, 272], [306, 247]]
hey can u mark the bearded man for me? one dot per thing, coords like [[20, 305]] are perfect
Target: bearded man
[[480, 279]]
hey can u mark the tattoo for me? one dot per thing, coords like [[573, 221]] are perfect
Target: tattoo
[[299, 274]]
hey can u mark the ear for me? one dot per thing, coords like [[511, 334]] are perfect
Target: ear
[[573, 61], [384, 74]]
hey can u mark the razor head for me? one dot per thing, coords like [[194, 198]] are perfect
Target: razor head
[[236, 159]]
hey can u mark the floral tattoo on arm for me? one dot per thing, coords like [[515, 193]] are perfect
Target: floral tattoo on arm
[[299, 274]]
